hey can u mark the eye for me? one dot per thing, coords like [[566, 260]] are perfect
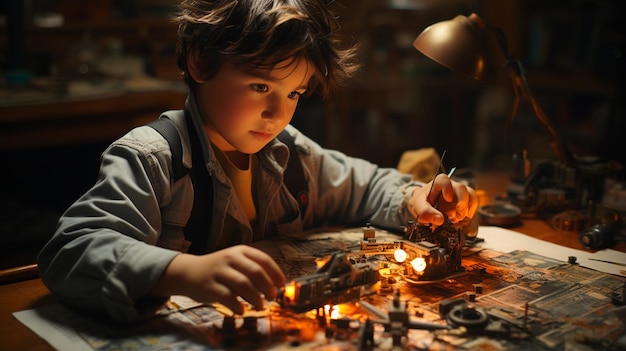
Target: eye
[[294, 95], [259, 88]]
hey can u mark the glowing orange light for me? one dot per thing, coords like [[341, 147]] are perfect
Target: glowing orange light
[[290, 291], [419, 264], [399, 255], [332, 311], [320, 262]]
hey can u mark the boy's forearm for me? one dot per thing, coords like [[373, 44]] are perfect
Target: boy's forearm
[[173, 280]]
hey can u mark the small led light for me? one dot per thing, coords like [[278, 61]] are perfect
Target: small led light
[[290, 291], [419, 264], [399, 255], [332, 311]]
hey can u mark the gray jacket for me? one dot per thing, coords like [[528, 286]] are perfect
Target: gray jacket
[[113, 244]]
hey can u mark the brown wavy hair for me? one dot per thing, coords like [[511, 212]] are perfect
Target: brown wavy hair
[[260, 34]]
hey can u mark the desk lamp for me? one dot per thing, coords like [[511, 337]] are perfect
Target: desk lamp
[[461, 44]]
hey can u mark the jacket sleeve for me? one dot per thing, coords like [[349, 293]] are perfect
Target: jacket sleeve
[[349, 190], [102, 257]]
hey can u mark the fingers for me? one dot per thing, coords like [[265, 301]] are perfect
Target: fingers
[[257, 276], [431, 202], [466, 202], [240, 271], [442, 190], [270, 268], [431, 216], [473, 203], [444, 196]]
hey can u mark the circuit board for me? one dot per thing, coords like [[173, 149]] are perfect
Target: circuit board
[[512, 301], [525, 302], [495, 301]]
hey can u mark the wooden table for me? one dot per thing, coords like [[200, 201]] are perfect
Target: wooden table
[[32, 293], [27, 294], [495, 183]]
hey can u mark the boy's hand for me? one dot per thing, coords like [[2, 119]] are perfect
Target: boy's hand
[[222, 276], [454, 199]]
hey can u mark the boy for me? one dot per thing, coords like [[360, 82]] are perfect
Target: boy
[[121, 247]]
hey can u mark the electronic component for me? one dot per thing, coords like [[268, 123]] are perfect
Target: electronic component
[[396, 321], [335, 281], [440, 248], [424, 254]]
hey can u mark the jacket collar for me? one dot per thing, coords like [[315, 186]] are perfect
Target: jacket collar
[[273, 157]]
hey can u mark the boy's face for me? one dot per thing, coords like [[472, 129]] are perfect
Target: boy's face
[[245, 110]]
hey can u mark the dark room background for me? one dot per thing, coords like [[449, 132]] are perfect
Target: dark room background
[[75, 75]]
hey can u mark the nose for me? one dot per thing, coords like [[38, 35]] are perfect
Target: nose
[[275, 109]]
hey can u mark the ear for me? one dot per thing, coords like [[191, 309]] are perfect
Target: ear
[[194, 69]]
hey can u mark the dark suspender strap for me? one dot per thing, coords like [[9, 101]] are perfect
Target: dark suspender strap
[[294, 174], [199, 224], [168, 130]]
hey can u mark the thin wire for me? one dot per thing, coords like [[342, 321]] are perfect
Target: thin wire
[[436, 173]]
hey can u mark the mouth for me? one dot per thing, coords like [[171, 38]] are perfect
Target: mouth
[[262, 135]]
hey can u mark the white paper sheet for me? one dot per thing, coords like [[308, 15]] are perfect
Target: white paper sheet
[[505, 240], [53, 324]]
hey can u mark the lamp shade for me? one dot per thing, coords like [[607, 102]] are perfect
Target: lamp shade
[[459, 44]]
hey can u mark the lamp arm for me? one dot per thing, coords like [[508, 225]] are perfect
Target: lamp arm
[[557, 145], [512, 115], [521, 90]]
